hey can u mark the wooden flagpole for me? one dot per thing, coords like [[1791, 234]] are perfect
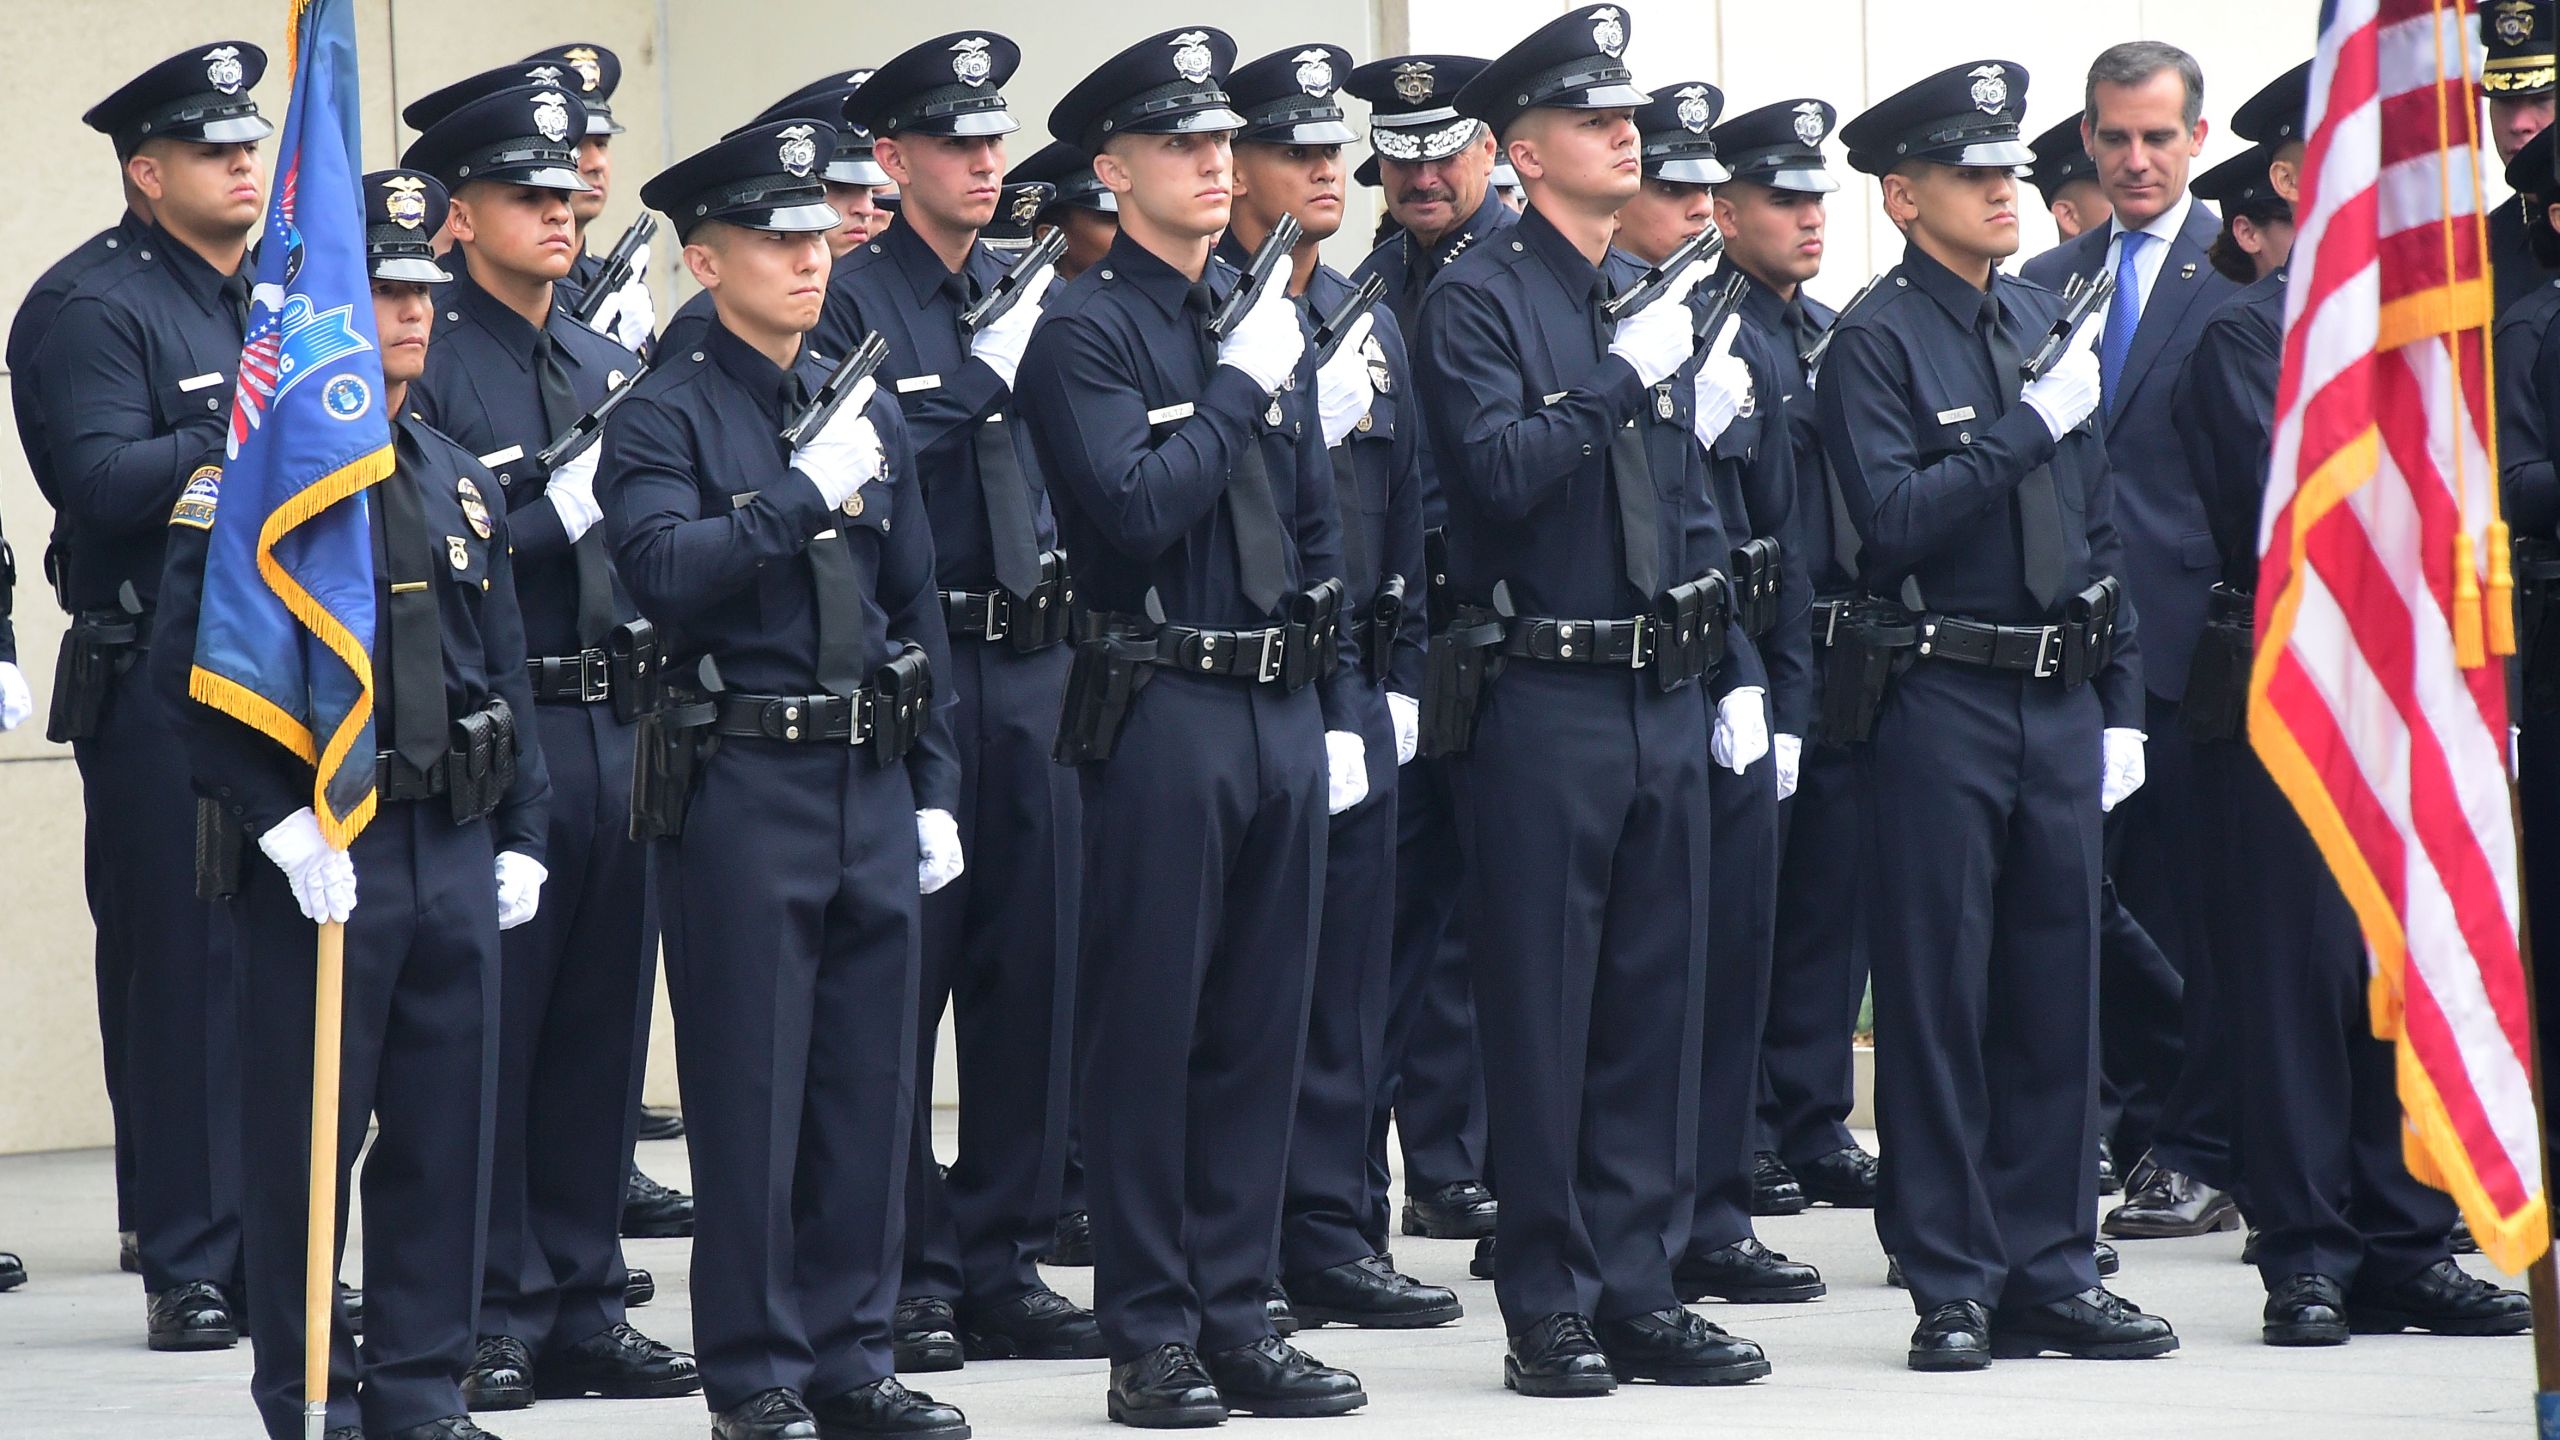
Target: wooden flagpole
[[320, 1243]]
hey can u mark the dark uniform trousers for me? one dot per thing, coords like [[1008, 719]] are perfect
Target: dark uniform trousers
[[1430, 1081], [1585, 811], [419, 1058], [791, 913], [1204, 840], [1809, 1078], [2157, 871], [999, 946], [2142, 1032], [1739, 937]]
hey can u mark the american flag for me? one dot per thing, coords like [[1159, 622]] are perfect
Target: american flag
[[2377, 702]]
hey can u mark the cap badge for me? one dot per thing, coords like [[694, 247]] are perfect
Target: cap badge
[[2515, 22], [542, 75], [858, 77], [1809, 122], [1026, 207], [1191, 58], [1990, 88], [1608, 31], [799, 150], [222, 68], [1413, 81], [971, 62], [1693, 108], [551, 115], [405, 201], [1315, 72], [582, 58]]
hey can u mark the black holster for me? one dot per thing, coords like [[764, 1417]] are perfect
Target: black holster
[[482, 763], [669, 745], [1312, 644], [99, 646], [1111, 666], [2089, 632], [1755, 585], [1689, 622], [1465, 660], [1385, 618], [2537, 572], [220, 838], [639, 679], [1855, 645], [901, 705], [2216, 706]]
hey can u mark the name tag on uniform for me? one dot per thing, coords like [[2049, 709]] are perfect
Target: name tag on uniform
[[1550, 400], [497, 458], [824, 535], [914, 383], [1950, 417], [194, 383], [1170, 413], [743, 499]]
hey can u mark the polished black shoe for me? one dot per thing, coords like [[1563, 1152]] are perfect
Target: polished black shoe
[[1893, 1272], [2096, 1324], [1165, 1389], [1037, 1325], [775, 1414], [1844, 1178], [1462, 1211], [2109, 1262], [2443, 1299], [2249, 1247], [2462, 1242], [1283, 1315], [1274, 1378], [2109, 1182], [1558, 1356], [651, 1211], [13, 1271], [351, 1307], [129, 1253], [1369, 1293], [1774, 1188], [639, 1287], [658, 1123], [2305, 1310], [1745, 1272], [1955, 1336], [500, 1377], [2167, 1204], [193, 1316], [885, 1407], [925, 1336], [451, 1427], [1480, 1264], [1072, 1245], [1679, 1347], [618, 1363]]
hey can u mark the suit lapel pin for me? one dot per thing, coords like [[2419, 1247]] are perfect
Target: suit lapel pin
[[2187, 271]]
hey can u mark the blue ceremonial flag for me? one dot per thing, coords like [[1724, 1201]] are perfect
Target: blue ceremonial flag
[[285, 640]]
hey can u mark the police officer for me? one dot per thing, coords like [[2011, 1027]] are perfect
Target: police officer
[[1583, 801], [999, 944], [1988, 769], [590, 74], [2346, 1240], [853, 176], [1082, 206], [419, 1035], [136, 379], [2067, 179], [1436, 166], [800, 575], [2528, 392], [1194, 493], [511, 370], [2519, 81]]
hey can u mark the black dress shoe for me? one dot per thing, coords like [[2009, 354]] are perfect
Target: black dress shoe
[[129, 1253], [2109, 1262], [451, 1427], [2109, 1183], [1072, 1245], [2305, 1310], [651, 1211], [1678, 1347], [2095, 1324], [885, 1407], [1274, 1378], [2249, 1247], [1774, 1188], [1480, 1264], [1461, 1211], [500, 1377], [193, 1316], [2443, 1299], [1368, 1292], [1893, 1272], [2462, 1242], [1037, 1325], [1845, 1178], [1165, 1389], [351, 1307], [925, 1336], [2170, 1205], [1955, 1336], [1283, 1315], [775, 1414], [639, 1287], [1745, 1272], [618, 1363], [13, 1271], [659, 1123], [1558, 1356]]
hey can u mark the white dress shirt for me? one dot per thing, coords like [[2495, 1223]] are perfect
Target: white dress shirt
[[2163, 230]]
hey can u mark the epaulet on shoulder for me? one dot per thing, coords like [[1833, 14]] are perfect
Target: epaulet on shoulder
[[1893, 291], [113, 270]]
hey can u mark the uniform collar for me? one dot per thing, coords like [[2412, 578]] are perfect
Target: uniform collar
[[200, 279], [1558, 254], [778, 392], [1954, 295], [917, 262], [465, 296], [1142, 269], [1482, 223]]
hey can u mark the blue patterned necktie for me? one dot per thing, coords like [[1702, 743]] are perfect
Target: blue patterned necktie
[[2124, 312]]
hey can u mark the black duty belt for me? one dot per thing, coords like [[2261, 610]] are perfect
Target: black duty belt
[[397, 779], [2035, 649], [998, 615], [1618, 644], [800, 719], [1255, 655], [585, 678]]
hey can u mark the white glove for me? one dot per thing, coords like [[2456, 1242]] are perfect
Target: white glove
[[1002, 343], [572, 491], [520, 878], [1722, 386], [1343, 386], [844, 456], [1266, 344], [322, 876], [629, 315], [1790, 752], [1656, 340], [1742, 728], [16, 704], [938, 860], [2067, 393], [1406, 714], [2124, 773], [1346, 771]]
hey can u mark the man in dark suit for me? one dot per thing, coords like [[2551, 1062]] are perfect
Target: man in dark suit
[[2142, 119]]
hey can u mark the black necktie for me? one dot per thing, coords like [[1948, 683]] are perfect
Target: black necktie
[[1262, 564], [235, 297], [411, 632], [560, 410], [1631, 480], [2039, 509], [1002, 486], [837, 586]]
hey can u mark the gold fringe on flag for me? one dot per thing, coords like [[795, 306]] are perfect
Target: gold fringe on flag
[[2467, 651], [2502, 590]]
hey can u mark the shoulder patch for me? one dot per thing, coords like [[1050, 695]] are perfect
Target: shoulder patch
[[197, 501]]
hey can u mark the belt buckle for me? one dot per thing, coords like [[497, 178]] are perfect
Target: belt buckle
[[595, 676], [861, 714], [998, 615], [2049, 652], [1831, 623], [1646, 636], [1275, 645]]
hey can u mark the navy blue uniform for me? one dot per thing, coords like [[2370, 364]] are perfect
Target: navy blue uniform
[[420, 1039], [2316, 1108], [1983, 786], [1196, 964], [136, 395], [1583, 804], [790, 901], [579, 976], [999, 942], [2529, 346]]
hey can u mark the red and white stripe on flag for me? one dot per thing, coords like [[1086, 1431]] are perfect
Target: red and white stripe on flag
[[2383, 593]]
